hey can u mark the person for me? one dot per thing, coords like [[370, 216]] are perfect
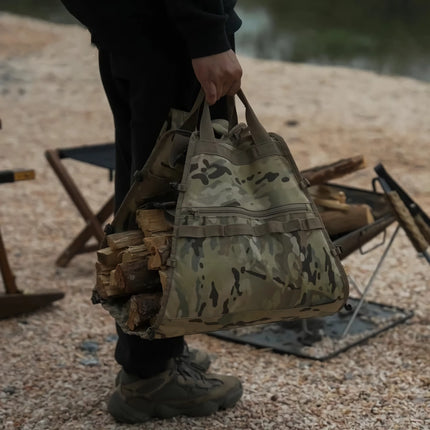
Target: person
[[155, 56]]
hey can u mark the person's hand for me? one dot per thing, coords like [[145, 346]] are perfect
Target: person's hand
[[218, 74]]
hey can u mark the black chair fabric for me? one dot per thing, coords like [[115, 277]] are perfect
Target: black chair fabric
[[101, 155]]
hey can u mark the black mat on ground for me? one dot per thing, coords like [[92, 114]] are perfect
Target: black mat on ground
[[320, 338]]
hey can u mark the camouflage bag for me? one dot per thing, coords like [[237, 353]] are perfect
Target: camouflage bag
[[248, 244]]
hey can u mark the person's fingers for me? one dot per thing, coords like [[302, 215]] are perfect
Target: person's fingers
[[211, 93], [219, 75], [235, 87], [226, 86], [233, 83]]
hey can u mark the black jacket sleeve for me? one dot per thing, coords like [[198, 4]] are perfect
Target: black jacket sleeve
[[202, 23]]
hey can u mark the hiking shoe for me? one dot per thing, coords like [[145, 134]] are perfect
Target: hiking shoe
[[195, 357], [180, 390]]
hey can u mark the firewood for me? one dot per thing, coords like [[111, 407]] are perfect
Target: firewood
[[324, 173], [105, 283], [154, 261], [103, 274], [160, 251], [127, 279], [157, 241], [102, 285], [356, 216], [102, 268], [159, 259], [327, 192], [109, 257], [152, 221], [331, 204], [124, 239], [143, 308], [106, 273], [135, 253], [134, 277]]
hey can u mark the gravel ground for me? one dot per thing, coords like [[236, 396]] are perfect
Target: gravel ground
[[57, 366]]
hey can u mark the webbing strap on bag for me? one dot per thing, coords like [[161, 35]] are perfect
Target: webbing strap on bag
[[269, 227]]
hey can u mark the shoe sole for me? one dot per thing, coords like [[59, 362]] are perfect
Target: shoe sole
[[122, 412]]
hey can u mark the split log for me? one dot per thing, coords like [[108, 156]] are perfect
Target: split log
[[153, 222], [324, 173], [327, 192], [158, 259], [135, 253], [157, 241], [143, 308], [136, 270], [124, 239], [103, 271], [109, 257], [160, 247], [106, 284], [355, 217], [330, 204], [102, 285], [134, 277]]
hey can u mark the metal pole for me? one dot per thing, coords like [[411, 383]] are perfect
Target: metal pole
[[354, 284], [426, 256], [369, 284]]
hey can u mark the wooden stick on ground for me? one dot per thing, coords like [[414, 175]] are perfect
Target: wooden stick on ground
[[355, 217], [324, 173]]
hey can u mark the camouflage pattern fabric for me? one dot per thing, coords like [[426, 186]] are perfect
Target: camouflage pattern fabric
[[249, 246]]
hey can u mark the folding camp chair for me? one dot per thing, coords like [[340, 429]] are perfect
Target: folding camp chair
[[14, 302], [101, 155]]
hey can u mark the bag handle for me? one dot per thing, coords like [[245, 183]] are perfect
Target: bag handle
[[257, 130], [191, 120]]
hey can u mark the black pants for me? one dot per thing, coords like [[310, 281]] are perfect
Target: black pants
[[141, 89]]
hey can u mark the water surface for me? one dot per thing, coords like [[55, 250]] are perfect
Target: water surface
[[386, 36]]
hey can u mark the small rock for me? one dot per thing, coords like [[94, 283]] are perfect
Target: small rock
[[91, 361], [111, 338], [9, 390], [89, 346]]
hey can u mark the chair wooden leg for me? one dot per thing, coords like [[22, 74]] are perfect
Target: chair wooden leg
[[74, 193], [6, 271], [78, 245], [14, 302], [93, 221]]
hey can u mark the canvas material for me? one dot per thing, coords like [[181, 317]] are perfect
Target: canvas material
[[249, 246]]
